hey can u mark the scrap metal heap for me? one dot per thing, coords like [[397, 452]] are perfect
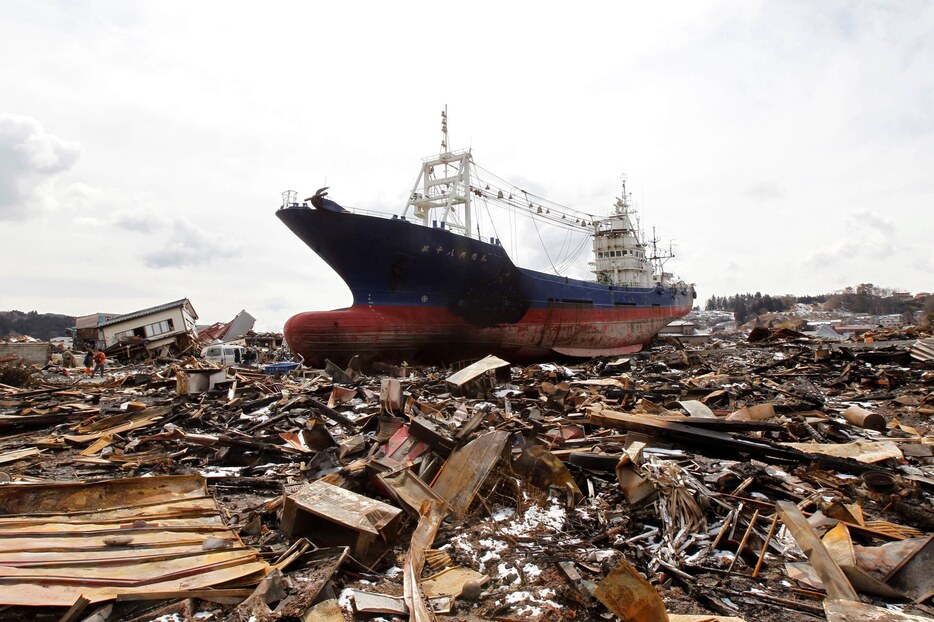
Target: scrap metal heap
[[781, 479]]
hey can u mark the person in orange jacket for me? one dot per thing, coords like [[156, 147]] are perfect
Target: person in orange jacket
[[99, 359]]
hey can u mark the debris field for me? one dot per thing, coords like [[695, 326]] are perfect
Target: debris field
[[775, 477]]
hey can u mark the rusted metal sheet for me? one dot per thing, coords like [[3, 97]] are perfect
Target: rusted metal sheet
[[545, 471], [839, 545], [467, 469], [331, 516], [864, 418], [450, 582], [408, 489], [100, 540], [436, 435], [430, 516], [340, 395], [627, 594], [325, 611], [636, 488], [913, 575]]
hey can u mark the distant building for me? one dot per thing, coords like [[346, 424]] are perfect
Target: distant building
[[893, 319], [678, 327], [264, 341], [853, 329], [683, 331]]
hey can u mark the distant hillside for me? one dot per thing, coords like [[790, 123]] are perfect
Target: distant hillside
[[38, 325], [864, 298]]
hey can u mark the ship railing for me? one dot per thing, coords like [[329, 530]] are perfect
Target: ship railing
[[368, 212], [449, 155], [353, 210]]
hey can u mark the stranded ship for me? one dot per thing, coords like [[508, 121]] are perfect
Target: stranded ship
[[428, 286]]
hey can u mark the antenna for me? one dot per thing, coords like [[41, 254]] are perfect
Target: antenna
[[444, 130]]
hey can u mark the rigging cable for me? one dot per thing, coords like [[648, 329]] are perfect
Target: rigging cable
[[544, 248]]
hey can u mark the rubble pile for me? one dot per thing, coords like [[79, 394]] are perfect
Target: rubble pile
[[776, 478]]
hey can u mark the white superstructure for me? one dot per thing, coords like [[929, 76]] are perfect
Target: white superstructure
[[620, 257]]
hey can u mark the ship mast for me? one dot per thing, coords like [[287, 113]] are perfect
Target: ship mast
[[658, 259], [442, 199]]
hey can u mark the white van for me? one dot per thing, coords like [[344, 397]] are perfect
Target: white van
[[224, 355]]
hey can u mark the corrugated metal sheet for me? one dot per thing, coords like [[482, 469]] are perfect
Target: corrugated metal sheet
[[923, 350], [103, 539]]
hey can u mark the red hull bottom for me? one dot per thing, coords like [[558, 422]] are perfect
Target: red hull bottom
[[433, 334]]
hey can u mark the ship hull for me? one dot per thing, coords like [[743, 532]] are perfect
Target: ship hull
[[427, 294]]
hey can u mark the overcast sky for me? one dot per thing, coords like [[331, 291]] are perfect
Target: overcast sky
[[785, 147]]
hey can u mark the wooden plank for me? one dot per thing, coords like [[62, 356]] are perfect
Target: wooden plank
[[691, 435], [75, 611], [18, 454], [97, 445], [835, 582], [223, 596]]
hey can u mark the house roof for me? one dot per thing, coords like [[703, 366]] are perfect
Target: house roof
[[239, 326], [228, 331], [214, 331], [144, 312]]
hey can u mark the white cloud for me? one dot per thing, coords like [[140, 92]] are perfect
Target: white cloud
[[30, 160], [137, 219], [187, 245], [864, 249]]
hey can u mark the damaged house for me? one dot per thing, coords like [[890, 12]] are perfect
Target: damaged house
[[235, 329], [147, 333]]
